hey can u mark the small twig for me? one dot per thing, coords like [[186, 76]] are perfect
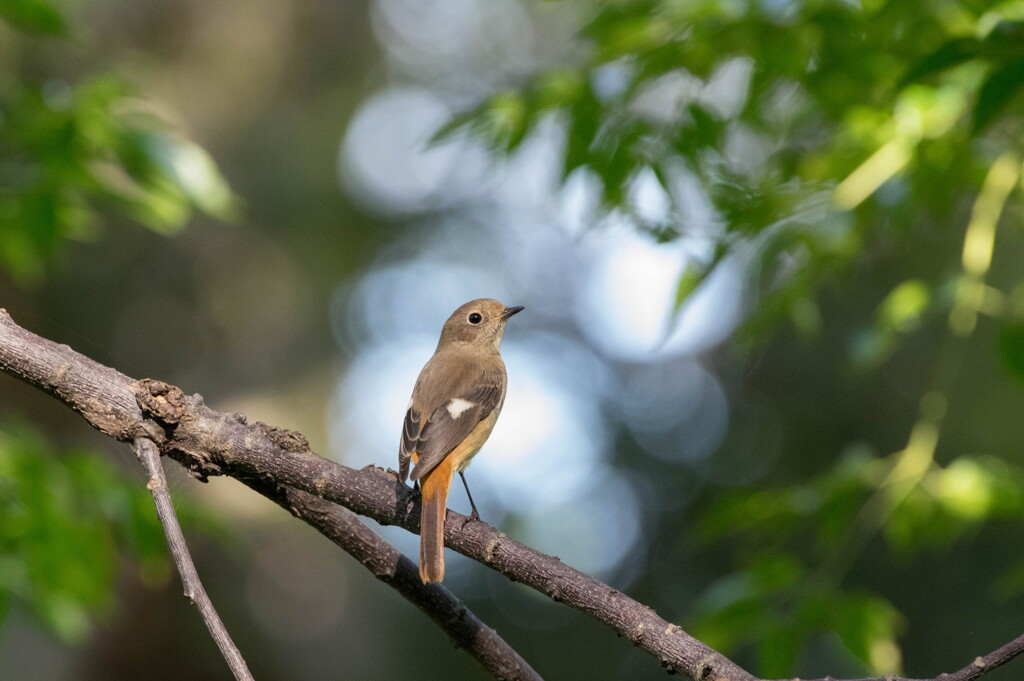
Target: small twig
[[980, 666], [149, 455], [208, 443], [387, 564]]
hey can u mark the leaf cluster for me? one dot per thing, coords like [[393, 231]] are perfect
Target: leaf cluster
[[64, 518], [72, 154], [823, 137], [772, 109], [799, 541]]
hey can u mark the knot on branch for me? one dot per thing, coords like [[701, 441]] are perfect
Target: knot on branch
[[288, 440], [198, 464], [636, 634], [164, 402], [554, 592], [706, 667], [166, 406], [492, 547], [669, 666]]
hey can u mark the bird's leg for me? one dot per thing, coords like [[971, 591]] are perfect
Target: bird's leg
[[474, 515]]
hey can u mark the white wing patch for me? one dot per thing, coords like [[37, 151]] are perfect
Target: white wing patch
[[458, 406]]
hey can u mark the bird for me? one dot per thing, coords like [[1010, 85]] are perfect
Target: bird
[[455, 404]]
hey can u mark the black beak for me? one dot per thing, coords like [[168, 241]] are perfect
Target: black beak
[[509, 311]]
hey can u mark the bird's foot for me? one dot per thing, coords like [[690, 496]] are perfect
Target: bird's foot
[[473, 517]]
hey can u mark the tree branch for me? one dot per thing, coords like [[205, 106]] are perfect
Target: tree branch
[[207, 443], [194, 591], [387, 564], [980, 666], [103, 396]]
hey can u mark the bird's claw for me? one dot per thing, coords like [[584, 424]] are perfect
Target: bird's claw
[[471, 518]]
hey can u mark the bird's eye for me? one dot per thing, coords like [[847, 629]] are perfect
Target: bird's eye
[[475, 318]]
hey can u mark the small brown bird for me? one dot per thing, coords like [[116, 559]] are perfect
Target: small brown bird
[[454, 406]]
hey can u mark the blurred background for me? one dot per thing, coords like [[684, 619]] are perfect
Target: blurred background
[[768, 380]]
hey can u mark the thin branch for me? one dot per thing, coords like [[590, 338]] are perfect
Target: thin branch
[[980, 666], [104, 396], [208, 443], [149, 455], [390, 566]]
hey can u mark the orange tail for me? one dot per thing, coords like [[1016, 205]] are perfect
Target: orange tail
[[434, 498]]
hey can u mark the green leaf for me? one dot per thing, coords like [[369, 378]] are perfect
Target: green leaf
[[769, 513], [1010, 584], [692, 276], [868, 626], [36, 16], [701, 131], [902, 309], [965, 488], [64, 616], [581, 130], [621, 28], [726, 627], [767, 575], [557, 88], [507, 119], [778, 648], [1010, 345], [750, 605], [996, 93], [62, 519], [71, 153], [457, 123], [952, 53]]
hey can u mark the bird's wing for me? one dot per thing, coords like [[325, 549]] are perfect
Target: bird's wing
[[411, 430], [451, 422]]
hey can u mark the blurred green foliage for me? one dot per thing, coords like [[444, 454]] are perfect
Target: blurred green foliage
[[71, 154], [63, 519], [831, 139], [836, 100], [827, 136], [36, 16], [796, 542]]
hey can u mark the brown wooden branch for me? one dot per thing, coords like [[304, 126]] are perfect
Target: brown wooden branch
[[390, 566], [103, 396], [149, 456], [208, 443], [980, 666]]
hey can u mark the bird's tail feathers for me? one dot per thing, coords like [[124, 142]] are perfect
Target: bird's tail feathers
[[434, 495]]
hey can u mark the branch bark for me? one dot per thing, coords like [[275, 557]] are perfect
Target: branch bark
[[104, 397], [390, 566], [208, 443], [149, 456], [977, 668]]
